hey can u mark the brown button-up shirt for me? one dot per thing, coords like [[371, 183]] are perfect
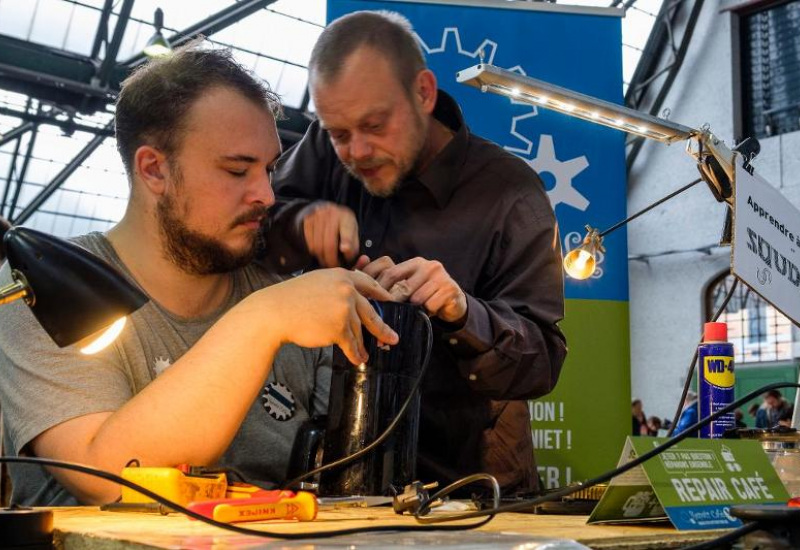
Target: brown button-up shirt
[[485, 215]]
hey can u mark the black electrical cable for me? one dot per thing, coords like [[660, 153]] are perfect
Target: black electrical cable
[[570, 489], [174, 506], [487, 514], [390, 428], [289, 536], [726, 538], [649, 207], [690, 375], [425, 506]]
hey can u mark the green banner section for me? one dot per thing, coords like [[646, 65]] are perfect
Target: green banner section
[[579, 428], [694, 483]]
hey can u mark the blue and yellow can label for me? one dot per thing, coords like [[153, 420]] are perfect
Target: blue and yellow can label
[[718, 371]]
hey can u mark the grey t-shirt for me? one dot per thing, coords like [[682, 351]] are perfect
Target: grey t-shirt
[[42, 385]]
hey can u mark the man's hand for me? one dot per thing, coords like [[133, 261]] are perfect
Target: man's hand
[[329, 306], [329, 230], [420, 281], [192, 412]]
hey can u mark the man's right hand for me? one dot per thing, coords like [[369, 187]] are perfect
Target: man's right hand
[[329, 230], [193, 410], [328, 306]]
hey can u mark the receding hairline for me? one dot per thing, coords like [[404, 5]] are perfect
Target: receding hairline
[[328, 78], [215, 87], [387, 33], [187, 123]]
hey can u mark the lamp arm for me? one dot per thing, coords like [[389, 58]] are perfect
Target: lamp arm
[[16, 290], [650, 207]]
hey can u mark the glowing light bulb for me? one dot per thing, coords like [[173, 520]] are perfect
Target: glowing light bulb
[[157, 50], [515, 92], [103, 338], [579, 263]]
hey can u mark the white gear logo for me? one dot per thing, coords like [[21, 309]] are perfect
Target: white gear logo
[[161, 364], [278, 401], [485, 53], [545, 161], [562, 171]]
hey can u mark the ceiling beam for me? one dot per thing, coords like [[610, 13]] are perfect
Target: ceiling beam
[[22, 173], [110, 59], [39, 78], [16, 132], [101, 36], [68, 125], [207, 27], [61, 177]]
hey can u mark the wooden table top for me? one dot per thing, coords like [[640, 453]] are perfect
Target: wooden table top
[[87, 528]]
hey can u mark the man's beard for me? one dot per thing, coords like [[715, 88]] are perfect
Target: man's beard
[[196, 253], [404, 170]]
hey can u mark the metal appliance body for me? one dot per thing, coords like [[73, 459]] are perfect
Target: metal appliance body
[[365, 398]]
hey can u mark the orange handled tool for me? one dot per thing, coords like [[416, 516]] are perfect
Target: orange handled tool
[[301, 506]]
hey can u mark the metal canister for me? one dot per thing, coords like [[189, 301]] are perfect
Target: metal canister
[[365, 399], [715, 379]]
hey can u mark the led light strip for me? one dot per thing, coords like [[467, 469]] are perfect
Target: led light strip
[[489, 78]]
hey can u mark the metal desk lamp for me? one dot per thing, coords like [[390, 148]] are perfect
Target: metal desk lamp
[[78, 299]]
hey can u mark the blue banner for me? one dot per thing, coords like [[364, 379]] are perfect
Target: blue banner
[[582, 164]]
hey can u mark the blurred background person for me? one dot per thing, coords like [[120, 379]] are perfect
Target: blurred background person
[[639, 426], [688, 415], [771, 410], [653, 426]]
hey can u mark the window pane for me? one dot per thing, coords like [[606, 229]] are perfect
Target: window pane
[[757, 330], [770, 42]]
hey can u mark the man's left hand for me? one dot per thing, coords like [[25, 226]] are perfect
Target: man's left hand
[[421, 282]]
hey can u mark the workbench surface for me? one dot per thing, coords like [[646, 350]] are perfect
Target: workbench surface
[[88, 528]]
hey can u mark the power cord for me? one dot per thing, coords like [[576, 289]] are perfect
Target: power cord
[[425, 506], [570, 489], [174, 506], [486, 514], [734, 535], [341, 462]]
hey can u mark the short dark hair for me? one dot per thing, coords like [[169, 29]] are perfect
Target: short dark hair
[[155, 99], [775, 394], [386, 32]]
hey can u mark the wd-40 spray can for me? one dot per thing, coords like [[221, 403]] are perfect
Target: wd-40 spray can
[[715, 379]]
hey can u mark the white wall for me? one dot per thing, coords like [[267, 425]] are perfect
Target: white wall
[[666, 294]]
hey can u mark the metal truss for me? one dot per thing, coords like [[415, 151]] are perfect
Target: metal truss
[[647, 86], [66, 84]]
